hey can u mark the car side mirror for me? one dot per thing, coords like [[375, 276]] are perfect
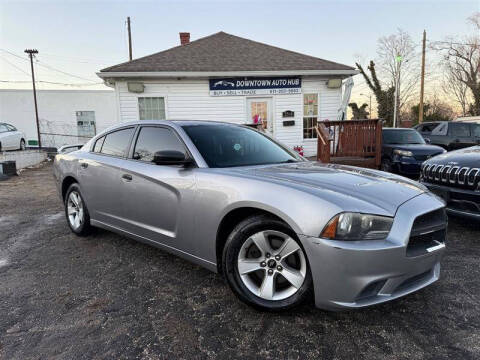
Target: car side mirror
[[171, 157], [427, 140]]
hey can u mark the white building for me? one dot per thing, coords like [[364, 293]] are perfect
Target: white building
[[227, 78], [65, 116]]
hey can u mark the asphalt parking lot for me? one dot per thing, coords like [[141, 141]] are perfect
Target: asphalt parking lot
[[108, 297]]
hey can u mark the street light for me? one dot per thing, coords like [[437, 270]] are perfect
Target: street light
[[370, 105]]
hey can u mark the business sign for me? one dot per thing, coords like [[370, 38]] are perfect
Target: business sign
[[255, 86]]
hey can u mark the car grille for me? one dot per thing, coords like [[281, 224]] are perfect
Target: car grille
[[451, 175], [425, 157], [428, 230]]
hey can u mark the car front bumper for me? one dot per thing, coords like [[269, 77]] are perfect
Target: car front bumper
[[406, 166], [460, 202], [354, 274]]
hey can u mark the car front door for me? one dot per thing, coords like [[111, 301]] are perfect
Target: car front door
[[101, 177], [157, 199], [14, 137]]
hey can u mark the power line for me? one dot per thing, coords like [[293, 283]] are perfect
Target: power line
[[62, 72], [49, 82], [15, 66], [48, 66], [451, 42]]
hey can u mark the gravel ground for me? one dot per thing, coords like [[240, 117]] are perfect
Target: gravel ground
[[108, 297]]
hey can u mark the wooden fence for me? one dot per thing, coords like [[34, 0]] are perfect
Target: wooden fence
[[351, 142]]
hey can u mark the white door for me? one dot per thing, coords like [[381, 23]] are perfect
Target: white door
[[259, 111]]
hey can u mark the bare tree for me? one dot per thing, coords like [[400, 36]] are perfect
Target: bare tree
[[461, 60], [389, 48], [458, 90]]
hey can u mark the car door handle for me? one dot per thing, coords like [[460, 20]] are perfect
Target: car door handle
[[84, 165], [127, 177]]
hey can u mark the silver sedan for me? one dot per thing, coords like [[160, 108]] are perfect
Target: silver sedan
[[276, 226]]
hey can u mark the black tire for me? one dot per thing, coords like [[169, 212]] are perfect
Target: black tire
[[85, 228], [386, 165], [237, 238], [22, 144]]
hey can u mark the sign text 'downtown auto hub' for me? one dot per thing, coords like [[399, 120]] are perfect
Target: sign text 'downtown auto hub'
[[255, 86]]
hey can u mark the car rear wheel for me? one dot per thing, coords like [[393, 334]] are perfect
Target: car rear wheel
[[266, 265], [76, 211], [22, 144]]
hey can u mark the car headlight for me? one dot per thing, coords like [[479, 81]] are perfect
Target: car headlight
[[356, 226], [403, 152]]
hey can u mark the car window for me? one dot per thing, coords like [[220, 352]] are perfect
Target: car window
[[116, 143], [10, 127], [400, 136], [460, 129], [476, 130], [152, 139], [3, 128], [427, 128], [98, 144], [440, 129], [223, 145]]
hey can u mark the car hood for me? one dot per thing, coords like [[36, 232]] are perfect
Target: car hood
[[381, 189], [468, 157], [418, 149]]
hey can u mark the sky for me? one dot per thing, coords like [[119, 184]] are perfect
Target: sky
[[82, 37]]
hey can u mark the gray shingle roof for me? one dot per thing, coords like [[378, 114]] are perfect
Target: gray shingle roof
[[225, 52]]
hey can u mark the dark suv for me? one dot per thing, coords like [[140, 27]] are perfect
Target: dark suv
[[455, 177], [404, 151], [450, 135]]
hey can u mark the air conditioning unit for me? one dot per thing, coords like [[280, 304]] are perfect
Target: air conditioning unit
[[334, 83]]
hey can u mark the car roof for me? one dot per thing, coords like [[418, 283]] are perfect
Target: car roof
[[397, 129]]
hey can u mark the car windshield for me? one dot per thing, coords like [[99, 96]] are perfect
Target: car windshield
[[224, 145], [407, 136]]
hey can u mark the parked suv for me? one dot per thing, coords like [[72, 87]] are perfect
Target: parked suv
[[450, 135], [455, 177], [404, 151]]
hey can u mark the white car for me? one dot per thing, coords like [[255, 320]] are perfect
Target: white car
[[11, 138]]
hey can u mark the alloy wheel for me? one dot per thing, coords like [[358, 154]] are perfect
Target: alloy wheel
[[75, 210], [272, 265]]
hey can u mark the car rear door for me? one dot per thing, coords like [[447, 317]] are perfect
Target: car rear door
[[100, 173], [461, 135], [158, 199]]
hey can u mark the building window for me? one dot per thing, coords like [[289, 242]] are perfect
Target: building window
[[310, 115], [85, 124], [151, 108]]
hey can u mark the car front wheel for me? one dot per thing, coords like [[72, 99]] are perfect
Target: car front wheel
[[266, 265], [76, 211]]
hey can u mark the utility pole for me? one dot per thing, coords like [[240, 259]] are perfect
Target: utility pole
[[129, 39], [31, 53], [422, 80]]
